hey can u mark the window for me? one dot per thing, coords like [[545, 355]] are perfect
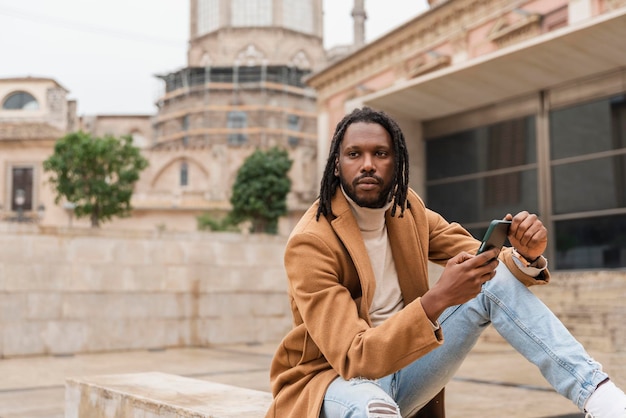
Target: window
[[293, 124], [298, 15], [251, 12], [588, 167], [22, 188], [184, 173], [20, 101], [208, 16], [237, 121], [588, 128], [185, 127], [588, 156], [478, 175], [596, 242]]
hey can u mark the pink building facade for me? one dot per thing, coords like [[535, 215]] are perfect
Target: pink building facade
[[506, 106]]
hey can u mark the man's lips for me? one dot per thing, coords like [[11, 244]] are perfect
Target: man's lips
[[368, 180], [368, 183]]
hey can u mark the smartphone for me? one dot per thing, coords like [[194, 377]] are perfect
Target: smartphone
[[495, 236]]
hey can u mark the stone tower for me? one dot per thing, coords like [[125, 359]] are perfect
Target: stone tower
[[359, 16], [241, 90]]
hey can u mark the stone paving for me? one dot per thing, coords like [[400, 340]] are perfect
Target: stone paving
[[494, 381]]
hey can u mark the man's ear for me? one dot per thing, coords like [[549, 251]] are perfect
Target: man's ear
[[337, 167]]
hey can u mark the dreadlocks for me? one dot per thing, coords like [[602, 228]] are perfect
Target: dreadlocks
[[330, 181]]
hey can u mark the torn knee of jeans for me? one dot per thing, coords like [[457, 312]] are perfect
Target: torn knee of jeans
[[359, 380], [379, 408]]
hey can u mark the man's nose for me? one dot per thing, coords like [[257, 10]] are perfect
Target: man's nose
[[368, 164]]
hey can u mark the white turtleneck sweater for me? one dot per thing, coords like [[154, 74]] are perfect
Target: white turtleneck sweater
[[387, 296]]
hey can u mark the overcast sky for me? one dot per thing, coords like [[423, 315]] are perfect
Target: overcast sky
[[106, 53]]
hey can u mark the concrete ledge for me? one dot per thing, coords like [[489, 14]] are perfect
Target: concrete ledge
[[151, 395]]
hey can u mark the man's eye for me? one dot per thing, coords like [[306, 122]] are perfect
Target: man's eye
[[382, 153], [353, 154]]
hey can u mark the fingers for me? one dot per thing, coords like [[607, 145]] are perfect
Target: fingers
[[465, 274], [483, 265], [527, 230]]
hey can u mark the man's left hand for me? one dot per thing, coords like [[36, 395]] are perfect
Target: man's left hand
[[527, 234]]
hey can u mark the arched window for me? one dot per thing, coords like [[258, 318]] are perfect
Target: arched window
[[20, 100]]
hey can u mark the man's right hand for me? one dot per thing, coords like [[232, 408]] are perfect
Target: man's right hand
[[461, 280]]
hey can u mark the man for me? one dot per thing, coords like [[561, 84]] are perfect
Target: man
[[370, 339]]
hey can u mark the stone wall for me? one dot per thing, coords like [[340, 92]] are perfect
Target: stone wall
[[78, 290]]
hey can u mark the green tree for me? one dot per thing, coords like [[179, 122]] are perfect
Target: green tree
[[97, 175], [260, 190]]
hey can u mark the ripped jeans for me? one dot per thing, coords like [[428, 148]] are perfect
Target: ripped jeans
[[520, 317]]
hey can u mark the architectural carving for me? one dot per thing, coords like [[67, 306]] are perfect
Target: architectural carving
[[515, 27], [428, 62], [615, 4], [300, 60], [250, 56]]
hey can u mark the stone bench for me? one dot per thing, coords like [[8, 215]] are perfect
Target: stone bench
[[154, 394]]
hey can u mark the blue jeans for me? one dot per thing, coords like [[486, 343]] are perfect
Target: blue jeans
[[520, 317]]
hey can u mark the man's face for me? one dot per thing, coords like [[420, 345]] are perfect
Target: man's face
[[366, 163]]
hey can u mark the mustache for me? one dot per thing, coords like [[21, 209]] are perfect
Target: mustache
[[369, 176]]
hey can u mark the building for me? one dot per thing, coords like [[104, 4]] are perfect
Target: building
[[242, 90], [34, 113], [507, 105]]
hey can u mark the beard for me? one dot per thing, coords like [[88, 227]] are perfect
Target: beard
[[372, 202]]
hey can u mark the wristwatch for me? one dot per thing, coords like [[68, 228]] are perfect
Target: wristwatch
[[524, 261]]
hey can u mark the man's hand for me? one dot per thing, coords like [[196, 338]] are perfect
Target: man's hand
[[527, 234], [461, 280]]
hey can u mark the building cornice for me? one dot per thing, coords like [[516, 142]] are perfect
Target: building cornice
[[29, 79], [415, 37]]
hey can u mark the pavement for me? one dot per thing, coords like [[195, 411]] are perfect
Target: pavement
[[494, 381]]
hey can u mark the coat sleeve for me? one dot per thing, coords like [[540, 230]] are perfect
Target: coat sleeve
[[331, 316]]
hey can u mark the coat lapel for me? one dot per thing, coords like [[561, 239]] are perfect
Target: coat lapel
[[410, 255], [347, 230]]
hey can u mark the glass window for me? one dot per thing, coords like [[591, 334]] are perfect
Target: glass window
[[594, 184], [478, 175], [22, 188], [184, 174], [598, 242], [293, 122], [485, 198], [505, 144], [251, 12], [237, 121], [20, 101], [208, 16], [588, 128], [588, 165], [298, 15]]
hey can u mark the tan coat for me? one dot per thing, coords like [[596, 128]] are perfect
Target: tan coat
[[331, 287]]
